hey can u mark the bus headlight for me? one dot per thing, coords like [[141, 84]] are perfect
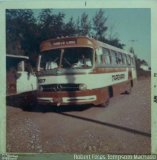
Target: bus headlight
[[41, 80], [40, 88], [82, 87]]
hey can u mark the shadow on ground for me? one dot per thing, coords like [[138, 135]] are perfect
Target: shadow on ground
[[19, 102], [16, 102]]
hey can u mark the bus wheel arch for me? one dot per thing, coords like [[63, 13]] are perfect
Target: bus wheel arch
[[110, 91]]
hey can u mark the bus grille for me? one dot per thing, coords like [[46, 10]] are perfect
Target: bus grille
[[60, 87]]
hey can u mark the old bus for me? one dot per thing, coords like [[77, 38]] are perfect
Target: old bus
[[82, 70], [21, 82]]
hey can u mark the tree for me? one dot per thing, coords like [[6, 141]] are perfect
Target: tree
[[85, 25], [132, 50], [59, 24], [78, 26], [51, 25], [99, 25], [70, 28], [45, 17], [116, 42], [20, 31]]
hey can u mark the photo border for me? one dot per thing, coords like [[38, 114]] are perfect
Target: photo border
[[83, 4]]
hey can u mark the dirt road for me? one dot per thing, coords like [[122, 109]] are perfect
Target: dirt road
[[123, 127]]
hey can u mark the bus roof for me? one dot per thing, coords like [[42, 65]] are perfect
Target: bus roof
[[108, 46], [17, 56], [65, 42], [78, 41]]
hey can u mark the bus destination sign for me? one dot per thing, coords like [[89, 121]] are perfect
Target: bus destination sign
[[62, 43]]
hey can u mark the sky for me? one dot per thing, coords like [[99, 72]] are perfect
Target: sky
[[131, 26]]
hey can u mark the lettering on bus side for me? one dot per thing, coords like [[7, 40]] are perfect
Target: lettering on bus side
[[155, 74], [155, 99], [118, 77]]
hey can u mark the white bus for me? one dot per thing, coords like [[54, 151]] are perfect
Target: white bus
[[82, 70], [21, 82]]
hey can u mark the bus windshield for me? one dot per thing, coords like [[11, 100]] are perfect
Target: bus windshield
[[75, 57]]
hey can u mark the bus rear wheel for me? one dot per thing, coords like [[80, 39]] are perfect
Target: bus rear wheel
[[129, 88]]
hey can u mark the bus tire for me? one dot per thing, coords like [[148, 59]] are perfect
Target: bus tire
[[104, 104], [129, 88], [110, 91], [27, 107]]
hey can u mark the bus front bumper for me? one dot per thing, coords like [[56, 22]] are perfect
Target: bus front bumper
[[94, 96], [67, 100]]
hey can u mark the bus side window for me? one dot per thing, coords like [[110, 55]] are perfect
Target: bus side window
[[113, 57], [119, 58], [128, 59], [106, 56], [133, 61], [99, 53], [124, 59]]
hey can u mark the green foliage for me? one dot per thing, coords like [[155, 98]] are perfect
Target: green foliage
[[51, 25], [20, 31], [85, 24], [70, 28], [24, 32], [132, 50], [115, 42], [99, 25]]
